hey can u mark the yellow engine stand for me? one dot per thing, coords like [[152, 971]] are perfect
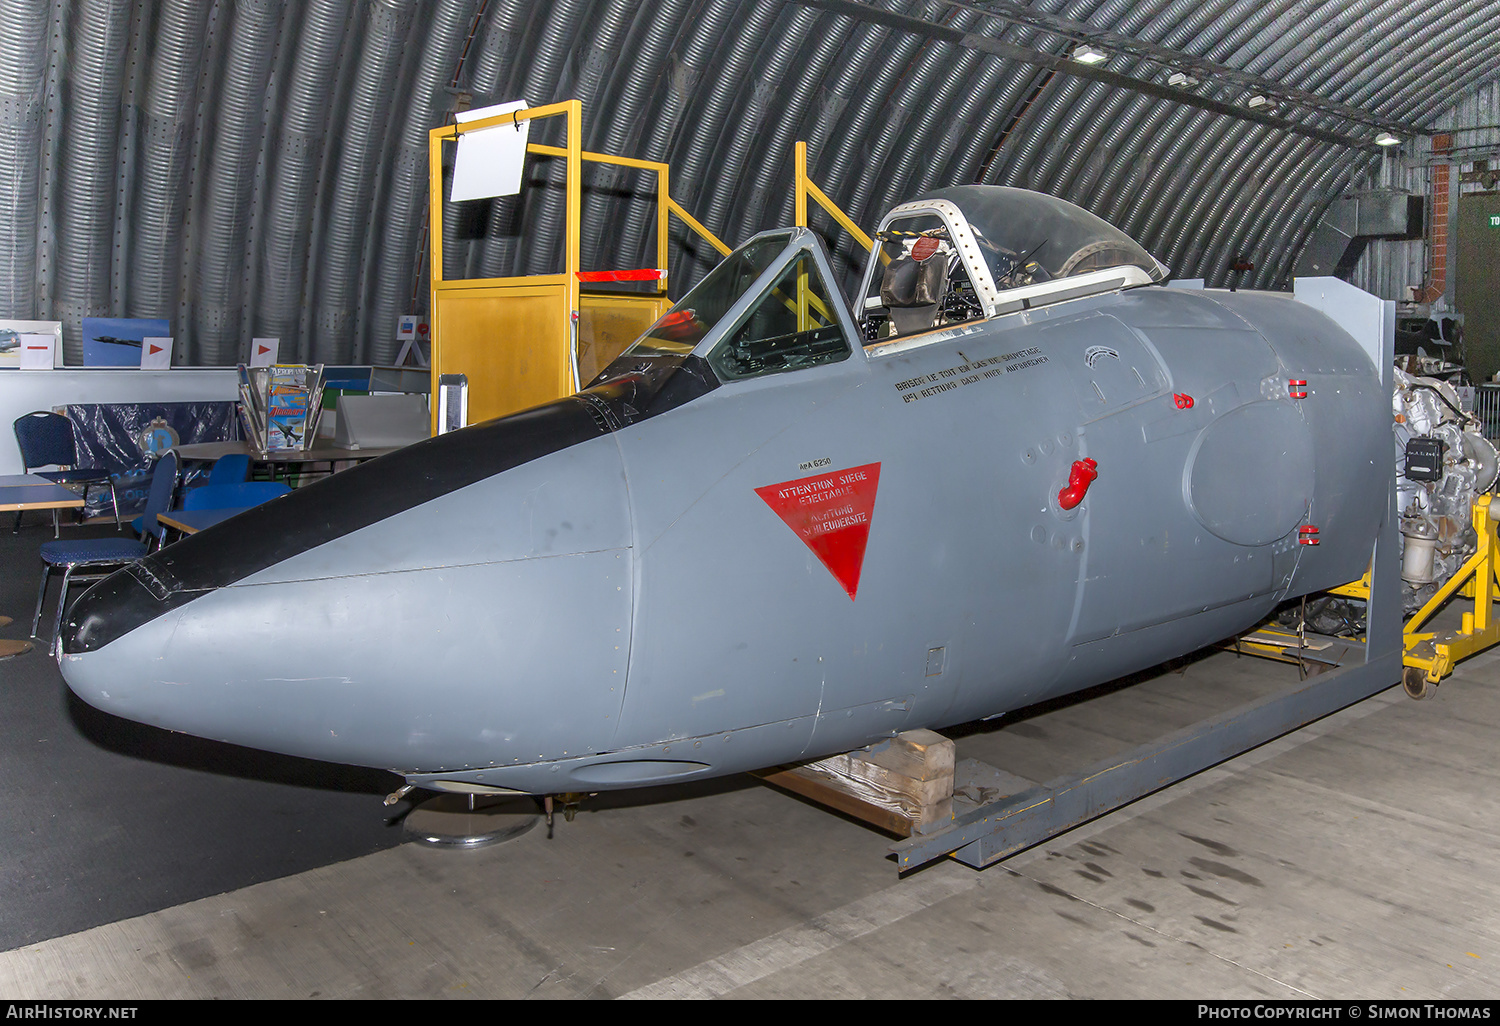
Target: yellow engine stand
[[1429, 656]]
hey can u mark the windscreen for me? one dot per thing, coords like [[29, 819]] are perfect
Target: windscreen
[[792, 326], [681, 328]]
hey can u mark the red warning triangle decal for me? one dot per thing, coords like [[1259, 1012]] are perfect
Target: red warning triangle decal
[[155, 349], [831, 514]]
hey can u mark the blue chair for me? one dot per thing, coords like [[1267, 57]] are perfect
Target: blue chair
[[45, 439], [100, 552], [233, 496], [232, 469], [158, 500]]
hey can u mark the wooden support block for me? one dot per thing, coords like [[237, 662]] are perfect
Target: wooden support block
[[903, 785]]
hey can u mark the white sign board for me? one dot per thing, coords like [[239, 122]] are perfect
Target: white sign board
[[156, 354], [489, 161], [37, 351], [263, 351]]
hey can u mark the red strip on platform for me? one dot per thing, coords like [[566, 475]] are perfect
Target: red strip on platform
[[643, 274]]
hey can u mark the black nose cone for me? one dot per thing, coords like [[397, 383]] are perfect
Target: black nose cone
[[119, 604]]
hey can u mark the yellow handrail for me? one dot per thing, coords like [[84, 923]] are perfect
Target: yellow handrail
[[575, 156], [555, 306], [561, 322], [692, 222], [807, 187]]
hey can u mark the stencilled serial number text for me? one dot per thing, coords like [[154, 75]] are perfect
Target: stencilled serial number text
[[950, 378]]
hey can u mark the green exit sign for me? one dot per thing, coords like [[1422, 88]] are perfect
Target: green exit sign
[[1495, 220]]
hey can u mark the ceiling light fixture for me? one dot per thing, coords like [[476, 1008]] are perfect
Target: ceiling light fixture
[[1387, 139], [1182, 80], [1256, 100], [1083, 53]]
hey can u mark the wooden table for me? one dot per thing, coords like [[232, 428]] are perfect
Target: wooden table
[[280, 462], [28, 491], [191, 521], [322, 454], [40, 496], [11, 485], [37, 480]]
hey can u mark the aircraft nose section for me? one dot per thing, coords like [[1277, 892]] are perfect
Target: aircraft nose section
[[423, 669], [417, 613]]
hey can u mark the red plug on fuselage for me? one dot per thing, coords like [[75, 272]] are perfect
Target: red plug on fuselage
[[1084, 472]]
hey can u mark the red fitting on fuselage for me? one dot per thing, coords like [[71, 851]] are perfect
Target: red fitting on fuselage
[[1084, 472]]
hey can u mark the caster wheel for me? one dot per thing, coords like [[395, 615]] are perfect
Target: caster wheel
[[1414, 681]]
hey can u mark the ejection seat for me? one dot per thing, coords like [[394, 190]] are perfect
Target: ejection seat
[[915, 284]]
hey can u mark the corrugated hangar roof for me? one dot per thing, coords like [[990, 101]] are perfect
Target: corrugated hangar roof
[[258, 167]]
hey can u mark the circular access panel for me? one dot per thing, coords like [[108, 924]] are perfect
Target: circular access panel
[[1249, 477]]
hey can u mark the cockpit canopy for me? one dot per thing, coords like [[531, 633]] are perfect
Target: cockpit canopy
[[953, 256], [1027, 237], [960, 254], [767, 308]]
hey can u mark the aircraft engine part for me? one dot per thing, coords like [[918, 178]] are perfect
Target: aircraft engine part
[[1443, 465], [1418, 549]]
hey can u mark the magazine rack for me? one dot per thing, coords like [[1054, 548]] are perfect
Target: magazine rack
[[280, 406]]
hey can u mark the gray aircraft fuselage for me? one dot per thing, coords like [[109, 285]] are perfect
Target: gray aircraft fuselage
[[674, 575]]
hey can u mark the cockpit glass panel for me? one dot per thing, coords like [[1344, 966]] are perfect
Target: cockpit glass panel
[[794, 325], [1029, 237], [681, 328]]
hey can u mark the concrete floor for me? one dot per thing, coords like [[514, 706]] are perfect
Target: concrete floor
[[1356, 858]]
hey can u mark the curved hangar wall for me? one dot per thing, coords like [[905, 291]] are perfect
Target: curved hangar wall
[[256, 167]]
